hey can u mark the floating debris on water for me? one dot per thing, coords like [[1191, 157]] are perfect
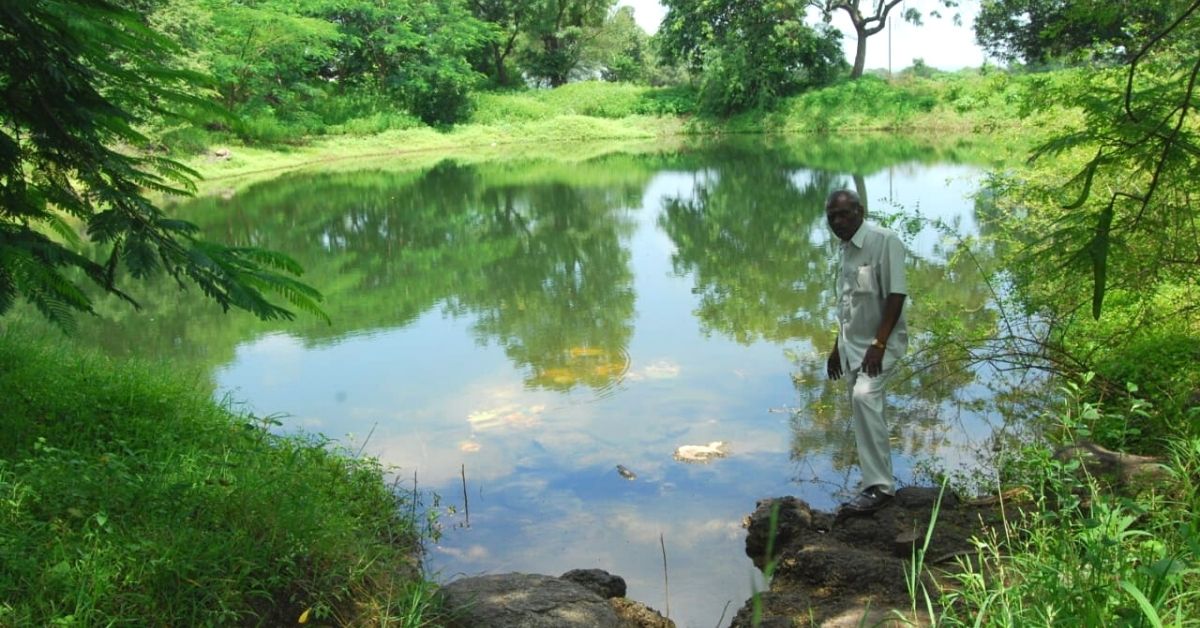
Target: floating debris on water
[[626, 472], [701, 453]]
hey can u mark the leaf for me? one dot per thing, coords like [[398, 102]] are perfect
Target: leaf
[[304, 616], [1088, 172], [1143, 603]]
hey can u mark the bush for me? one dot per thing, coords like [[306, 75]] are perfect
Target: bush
[[499, 108], [1076, 554], [1162, 368]]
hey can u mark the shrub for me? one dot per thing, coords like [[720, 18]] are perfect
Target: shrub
[[1162, 368]]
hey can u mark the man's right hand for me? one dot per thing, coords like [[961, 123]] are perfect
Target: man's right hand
[[833, 367]]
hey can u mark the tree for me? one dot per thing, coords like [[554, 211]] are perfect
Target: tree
[[507, 19], [416, 50], [258, 52], [866, 24], [557, 35], [621, 49], [76, 81], [1038, 31], [1135, 194], [749, 53]]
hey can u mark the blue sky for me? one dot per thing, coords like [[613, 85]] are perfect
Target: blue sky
[[939, 42]]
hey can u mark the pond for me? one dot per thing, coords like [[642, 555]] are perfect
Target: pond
[[506, 333]]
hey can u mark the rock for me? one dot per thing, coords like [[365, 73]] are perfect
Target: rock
[[776, 610], [221, 153], [794, 520], [837, 568], [637, 615], [597, 581], [924, 497], [1121, 469], [517, 600]]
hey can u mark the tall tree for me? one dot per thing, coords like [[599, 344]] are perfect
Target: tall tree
[[865, 23], [557, 35], [258, 52], [77, 79], [416, 50], [621, 49], [747, 52], [507, 19]]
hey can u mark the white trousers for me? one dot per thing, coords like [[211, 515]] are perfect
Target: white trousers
[[871, 430]]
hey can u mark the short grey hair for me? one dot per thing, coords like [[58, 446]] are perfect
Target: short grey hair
[[849, 195]]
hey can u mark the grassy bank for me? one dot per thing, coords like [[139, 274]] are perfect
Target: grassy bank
[[967, 102], [1089, 549], [127, 496]]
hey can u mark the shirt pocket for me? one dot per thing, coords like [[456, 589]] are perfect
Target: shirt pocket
[[864, 280]]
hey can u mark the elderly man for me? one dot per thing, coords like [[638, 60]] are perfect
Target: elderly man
[[872, 336]]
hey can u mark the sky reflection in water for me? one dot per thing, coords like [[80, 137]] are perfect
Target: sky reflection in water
[[540, 324]]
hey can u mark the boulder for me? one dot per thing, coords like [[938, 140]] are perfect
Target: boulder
[[517, 600], [597, 581], [637, 615], [795, 521], [925, 497]]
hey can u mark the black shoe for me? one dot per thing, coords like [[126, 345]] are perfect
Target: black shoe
[[869, 500]]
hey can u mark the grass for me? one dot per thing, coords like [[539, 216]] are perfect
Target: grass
[[966, 102], [127, 496], [970, 101], [1083, 554]]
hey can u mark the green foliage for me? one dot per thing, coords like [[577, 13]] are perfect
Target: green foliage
[[506, 20], [259, 50], [1038, 32], [557, 37], [1109, 204], [749, 54], [78, 79], [621, 49], [1160, 367], [586, 98], [1079, 555], [417, 50], [127, 496]]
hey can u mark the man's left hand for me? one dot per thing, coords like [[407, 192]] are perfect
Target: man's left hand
[[872, 364]]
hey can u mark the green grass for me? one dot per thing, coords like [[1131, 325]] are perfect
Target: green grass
[[353, 126], [128, 497], [1083, 554], [966, 101]]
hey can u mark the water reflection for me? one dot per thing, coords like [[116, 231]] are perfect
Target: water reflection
[[532, 325]]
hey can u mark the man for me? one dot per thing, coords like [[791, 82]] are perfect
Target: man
[[872, 336]]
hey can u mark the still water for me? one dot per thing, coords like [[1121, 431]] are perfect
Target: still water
[[506, 333]]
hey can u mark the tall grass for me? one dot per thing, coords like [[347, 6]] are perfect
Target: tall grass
[[1082, 554], [128, 497]]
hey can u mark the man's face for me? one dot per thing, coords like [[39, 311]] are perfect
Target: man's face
[[845, 217]]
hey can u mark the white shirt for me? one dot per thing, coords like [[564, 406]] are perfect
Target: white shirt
[[872, 267]]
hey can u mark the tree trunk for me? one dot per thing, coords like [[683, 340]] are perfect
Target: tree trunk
[[501, 74], [860, 52]]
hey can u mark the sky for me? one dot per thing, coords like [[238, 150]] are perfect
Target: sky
[[939, 42]]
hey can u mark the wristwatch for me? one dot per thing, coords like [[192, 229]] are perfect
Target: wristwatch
[[878, 345]]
